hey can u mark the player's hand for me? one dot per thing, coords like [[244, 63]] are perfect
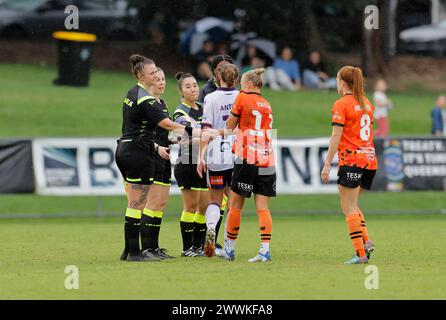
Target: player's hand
[[325, 174], [175, 139], [164, 152], [201, 167], [209, 134]]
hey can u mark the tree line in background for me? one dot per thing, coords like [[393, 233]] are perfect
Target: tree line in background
[[324, 25]]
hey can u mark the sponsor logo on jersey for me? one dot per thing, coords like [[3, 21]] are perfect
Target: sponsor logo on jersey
[[368, 151], [336, 116]]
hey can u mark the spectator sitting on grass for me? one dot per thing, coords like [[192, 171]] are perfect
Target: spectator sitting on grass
[[439, 118], [270, 78], [256, 63], [315, 74], [285, 73], [251, 52]]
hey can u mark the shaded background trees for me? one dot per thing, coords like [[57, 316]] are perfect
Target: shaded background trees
[[334, 26], [325, 25], [304, 24]]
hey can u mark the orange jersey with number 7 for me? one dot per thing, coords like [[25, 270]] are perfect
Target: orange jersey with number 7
[[254, 136], [356, 148]]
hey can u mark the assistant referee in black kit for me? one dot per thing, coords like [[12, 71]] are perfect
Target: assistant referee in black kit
[[135, 156]]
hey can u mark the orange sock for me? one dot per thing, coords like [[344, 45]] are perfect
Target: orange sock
[[233, 224], [266, 225], [354, 226], [365, 234]]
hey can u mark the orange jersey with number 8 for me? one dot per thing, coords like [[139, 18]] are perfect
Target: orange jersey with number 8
[[254, 137], [356, 148]]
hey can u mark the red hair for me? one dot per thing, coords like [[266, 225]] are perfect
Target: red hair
[[355, 80]]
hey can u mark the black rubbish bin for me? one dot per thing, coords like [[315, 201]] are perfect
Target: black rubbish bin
[[74, 57]]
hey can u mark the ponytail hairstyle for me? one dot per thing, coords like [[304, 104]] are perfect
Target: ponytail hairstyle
[[181, 76], [137, 63], [355, 80], [255, 77], [229, 73]]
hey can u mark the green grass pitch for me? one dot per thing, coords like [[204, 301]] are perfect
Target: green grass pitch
[[308, 254]]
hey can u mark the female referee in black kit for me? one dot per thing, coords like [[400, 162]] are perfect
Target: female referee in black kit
[[135, 157], [193, 188], [159, 191]]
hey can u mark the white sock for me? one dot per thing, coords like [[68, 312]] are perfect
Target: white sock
[[226, 224], [229, 245], [264, 247], [212, 216]]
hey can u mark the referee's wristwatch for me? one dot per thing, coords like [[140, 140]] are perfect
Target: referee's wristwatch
[[157, 148]]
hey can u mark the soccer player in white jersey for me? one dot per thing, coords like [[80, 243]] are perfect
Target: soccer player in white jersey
[[219, 157]]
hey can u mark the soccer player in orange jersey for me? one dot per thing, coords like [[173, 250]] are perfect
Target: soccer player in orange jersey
[[352, 138], [254, 170]]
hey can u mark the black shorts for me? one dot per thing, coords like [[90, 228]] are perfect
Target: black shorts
[[188, 178], [136, 161], [249, 179], [163, 171], [353, 177], [219, 179]]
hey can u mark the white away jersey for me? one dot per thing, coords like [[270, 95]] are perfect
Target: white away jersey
[[216, 110]]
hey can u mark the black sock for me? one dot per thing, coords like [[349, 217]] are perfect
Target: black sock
[[187, 229], [131, 234], [199, 234], [217, 228], [156, 230], [149, 232], [126, 235]]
